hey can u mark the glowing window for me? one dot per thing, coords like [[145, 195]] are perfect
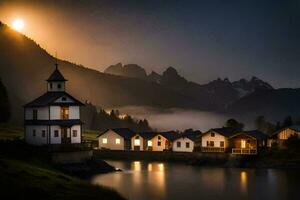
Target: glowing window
[[243, 143], [104, 140], [118, 141], [137, 142], [149, 143]]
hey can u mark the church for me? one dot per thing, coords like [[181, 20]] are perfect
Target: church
[[54, 117]]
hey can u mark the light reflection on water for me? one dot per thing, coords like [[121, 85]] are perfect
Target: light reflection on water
[[155, 180]]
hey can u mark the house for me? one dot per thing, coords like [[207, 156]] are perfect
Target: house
[[163, 140], [153, 141], [54, 117], [216, 140], [283, 134], [116, 139], [185, 142], [247, 142], [142, 141]]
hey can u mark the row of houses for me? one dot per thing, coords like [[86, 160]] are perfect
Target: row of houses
[[218, 140]]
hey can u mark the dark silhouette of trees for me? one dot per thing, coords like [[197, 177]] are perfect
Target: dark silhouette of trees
[[100, 120], [287, 122], [233, 123], [4, 104]]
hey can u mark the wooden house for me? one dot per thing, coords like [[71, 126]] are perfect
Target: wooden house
[[216, 140], [142, 141], [283, 134], [247, 142], [116, 139], [185, 142]]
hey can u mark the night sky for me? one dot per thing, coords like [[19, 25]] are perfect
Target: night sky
[[204, 40]]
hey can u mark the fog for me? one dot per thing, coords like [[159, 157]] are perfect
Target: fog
[[175, 118]]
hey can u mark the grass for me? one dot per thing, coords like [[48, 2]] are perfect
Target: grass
[[21, 180]]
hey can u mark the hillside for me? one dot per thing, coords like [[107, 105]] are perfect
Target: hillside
[[270, 103], [24, 67]]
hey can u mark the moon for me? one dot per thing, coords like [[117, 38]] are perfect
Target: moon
[[18, 24]]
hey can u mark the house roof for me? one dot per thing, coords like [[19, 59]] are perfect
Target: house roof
[[123, 132], [56, 76], [191, 135], [254, 134], [170, 135], [148, 135], [49, 99], [68, 122], [226, 132], [294, 127]]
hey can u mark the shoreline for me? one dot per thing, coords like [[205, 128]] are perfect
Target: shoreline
[[262, 160]]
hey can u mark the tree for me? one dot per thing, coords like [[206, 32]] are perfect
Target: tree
[[260, 123], [287, 122], [4, 104], [232, 123]]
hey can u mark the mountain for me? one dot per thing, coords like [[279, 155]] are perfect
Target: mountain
[[269, 103], [215, 95], [130, 70]]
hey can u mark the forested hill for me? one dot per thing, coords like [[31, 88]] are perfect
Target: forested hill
[[4, 104]]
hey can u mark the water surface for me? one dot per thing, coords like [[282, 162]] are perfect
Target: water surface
[[172, 181]]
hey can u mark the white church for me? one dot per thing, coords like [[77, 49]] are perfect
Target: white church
[[54, 117]]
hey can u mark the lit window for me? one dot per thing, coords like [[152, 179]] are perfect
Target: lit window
[[137, 142], [104, 140], [149, 143], [64, 113], [243, 143], [118, 141]]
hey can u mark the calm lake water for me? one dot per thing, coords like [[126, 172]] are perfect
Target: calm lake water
[[172, 181]]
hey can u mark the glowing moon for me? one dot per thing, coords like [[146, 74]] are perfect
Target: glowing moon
[[18, 24]]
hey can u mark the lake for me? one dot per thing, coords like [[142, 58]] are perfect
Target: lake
[[142, 180]]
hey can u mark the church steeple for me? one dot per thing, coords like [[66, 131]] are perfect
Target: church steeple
[[56, 81]]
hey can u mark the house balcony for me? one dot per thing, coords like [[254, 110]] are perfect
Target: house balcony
[[213, 149], [244, 151]]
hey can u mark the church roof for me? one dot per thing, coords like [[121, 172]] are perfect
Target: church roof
[[49, 98], [56, 76]]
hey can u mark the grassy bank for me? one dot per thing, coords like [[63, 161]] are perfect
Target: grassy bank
[[27, 173], [23, 180]]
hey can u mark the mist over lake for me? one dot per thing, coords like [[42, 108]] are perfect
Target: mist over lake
[[176, 118]]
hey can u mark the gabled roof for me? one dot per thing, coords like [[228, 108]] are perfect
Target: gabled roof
[[254, 134], [191, 135], [294, 128], [123, 132], [226, 132], [56, 76], [148, 135], [49, 99], [170, 135]]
